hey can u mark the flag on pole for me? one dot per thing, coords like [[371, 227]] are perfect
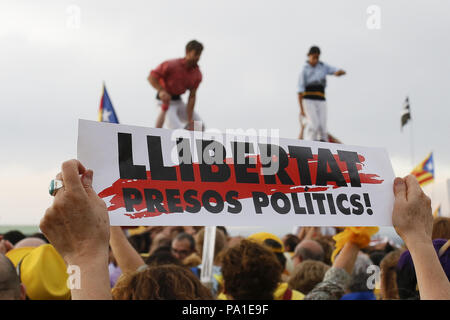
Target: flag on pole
[[406, 115], [106, 111], [424, 172], [437, 212]]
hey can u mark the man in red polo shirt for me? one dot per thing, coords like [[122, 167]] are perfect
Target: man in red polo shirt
[[171, 79]]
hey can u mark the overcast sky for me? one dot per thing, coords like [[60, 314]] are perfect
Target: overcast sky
[[54, 56]]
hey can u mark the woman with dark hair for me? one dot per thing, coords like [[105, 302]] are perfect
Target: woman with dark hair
[[252, 272], [162, 256], [164, 282]]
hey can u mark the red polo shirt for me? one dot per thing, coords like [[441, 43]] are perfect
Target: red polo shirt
[[175, 77]]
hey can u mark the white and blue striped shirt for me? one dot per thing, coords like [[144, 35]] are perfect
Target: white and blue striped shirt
[[314, 76]]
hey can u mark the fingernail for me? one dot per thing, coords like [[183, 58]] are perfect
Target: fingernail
[[398, 181], [86, 179]]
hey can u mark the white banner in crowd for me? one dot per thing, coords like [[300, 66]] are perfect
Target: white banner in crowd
[[151, 176]]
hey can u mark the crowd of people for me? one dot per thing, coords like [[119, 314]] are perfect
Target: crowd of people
[[79, 255]]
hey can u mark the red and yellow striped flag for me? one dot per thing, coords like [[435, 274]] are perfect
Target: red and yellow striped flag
[[424, 172]]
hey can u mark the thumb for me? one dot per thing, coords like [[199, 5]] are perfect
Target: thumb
[[399, 189]]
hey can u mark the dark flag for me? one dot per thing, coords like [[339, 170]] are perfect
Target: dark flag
[[406, 115]]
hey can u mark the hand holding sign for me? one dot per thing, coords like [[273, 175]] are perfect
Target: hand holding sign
[[413, 221], [412, 218], [78, 211], [77, 225]]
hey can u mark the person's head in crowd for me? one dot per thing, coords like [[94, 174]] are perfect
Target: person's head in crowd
[[161, 282], [273, 243], [160, 240], [30, 242], [154, 231], [377, 256], [41, 236], [194, 50], [307, 275], [290, 241], [360, 276], [313, 55], [10, 286], [441, 228], [406, 275], [388, 276], [250, 271], [308, 250], [43, 272], [13, 236], [162, 256], [141, 242], [173, 231], [192, 230], [219, 245], [232, 241], [328, 244], [182, 246]]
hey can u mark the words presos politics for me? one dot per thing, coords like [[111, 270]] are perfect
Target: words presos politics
[[299, 185]]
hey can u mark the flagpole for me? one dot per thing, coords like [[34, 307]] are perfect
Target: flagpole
[[412, 143], [209, 242], [411, 132]]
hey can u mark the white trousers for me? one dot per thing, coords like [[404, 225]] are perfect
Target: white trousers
[[316, 120], [177, 116]]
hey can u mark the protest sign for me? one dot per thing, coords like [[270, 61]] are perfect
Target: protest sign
[[151, 176]]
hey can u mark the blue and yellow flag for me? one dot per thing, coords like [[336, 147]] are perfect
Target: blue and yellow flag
[[106, 111], [424, 172]]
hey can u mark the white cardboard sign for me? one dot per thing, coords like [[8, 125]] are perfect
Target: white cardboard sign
[[151, 176]]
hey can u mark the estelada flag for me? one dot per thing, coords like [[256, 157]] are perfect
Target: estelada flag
[[106, 111], [437, 212], [424, 172]]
